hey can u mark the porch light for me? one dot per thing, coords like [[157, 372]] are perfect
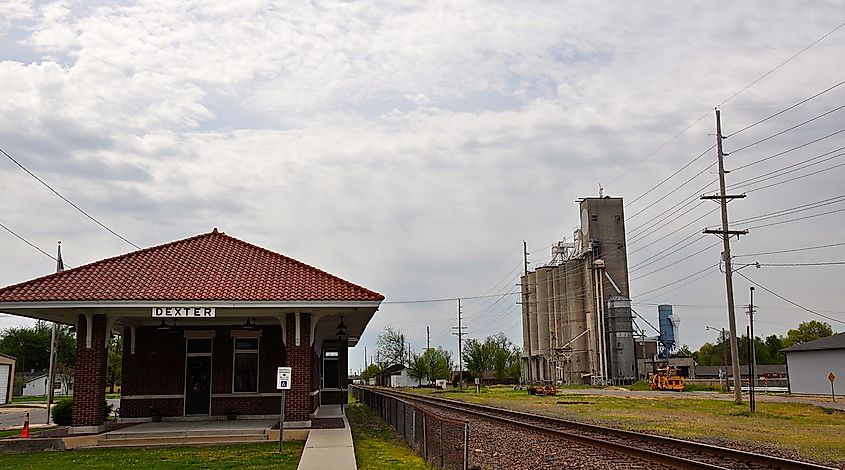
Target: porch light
[[163, 325], [341, 330], [249, 324]]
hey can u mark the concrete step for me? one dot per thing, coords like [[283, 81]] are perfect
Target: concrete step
[[145, 442], [184, 434]]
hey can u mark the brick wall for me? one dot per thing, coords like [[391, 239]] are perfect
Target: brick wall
[[158, 368], [298, 405], [89, 387]]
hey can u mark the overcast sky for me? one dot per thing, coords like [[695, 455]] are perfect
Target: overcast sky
[[410, 147]]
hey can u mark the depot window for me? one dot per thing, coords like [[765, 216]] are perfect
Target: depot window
[[245, 361]]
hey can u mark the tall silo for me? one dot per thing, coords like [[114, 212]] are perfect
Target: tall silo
[[543, 334], [668, 335]]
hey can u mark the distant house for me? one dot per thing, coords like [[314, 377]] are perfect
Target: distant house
[[395, 376], [37, 386], [7, 374], [809, 365]]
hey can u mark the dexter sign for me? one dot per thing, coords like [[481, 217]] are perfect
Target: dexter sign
[[183, 312]]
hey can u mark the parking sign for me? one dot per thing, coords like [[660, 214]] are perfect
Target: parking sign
[[283, 378]]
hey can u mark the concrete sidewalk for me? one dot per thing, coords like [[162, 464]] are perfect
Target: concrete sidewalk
[[329, 449]]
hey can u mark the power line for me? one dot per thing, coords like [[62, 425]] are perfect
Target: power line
[[782, 64], [445, 299], [788, 129], [817, 247], [696, 121], [33, 245], [797, 219], [671, 176], [789, 301], [789, 150], [67, 200], [789, 265], [792, 210], [679, 280], [795, 178], [786, 109], [789, 168]]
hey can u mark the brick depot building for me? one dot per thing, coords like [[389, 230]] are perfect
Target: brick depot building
[[205, 322]]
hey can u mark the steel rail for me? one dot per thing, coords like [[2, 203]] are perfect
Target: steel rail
[[748, 459]]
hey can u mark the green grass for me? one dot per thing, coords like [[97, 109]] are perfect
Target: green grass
[[17, 432], [39, 399], [377, 446], [228, 457], [813, 432]]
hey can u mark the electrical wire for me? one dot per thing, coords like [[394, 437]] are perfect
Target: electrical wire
[[793, 250], [792, 210], [789, 265], [793, 56], [805, 100], [787, 300], [789, 169], [797, 219], [33, 245], [796, 178], [788, 150], [86, 214], [789, 129]]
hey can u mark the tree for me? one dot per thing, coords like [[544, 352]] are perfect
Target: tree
[[371, 371], [774, 344], [806, 332], [418, 367], [391, 347], [495, 354], [31, 346], [115, 362], [439, 363]]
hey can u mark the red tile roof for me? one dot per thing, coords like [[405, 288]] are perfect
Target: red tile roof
[[207, 267]]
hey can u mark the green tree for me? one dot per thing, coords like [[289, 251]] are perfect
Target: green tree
[[391, 347], [806, 332], [115, 362], [30, 345], [371, 371], [439, 363], [418, 367], [495, 354], [774, 344]]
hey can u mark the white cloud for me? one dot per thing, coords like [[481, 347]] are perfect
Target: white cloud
[[407, 147]]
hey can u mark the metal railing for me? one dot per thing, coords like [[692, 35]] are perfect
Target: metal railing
[[442, 442]]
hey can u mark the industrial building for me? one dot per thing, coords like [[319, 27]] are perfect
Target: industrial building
[[817, 367], [576, 311]]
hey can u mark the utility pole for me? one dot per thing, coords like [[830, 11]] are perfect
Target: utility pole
[[460, 333], [752, 354], [51, 374], [427, 348], [527, 308], [726, 234], [366, 364]]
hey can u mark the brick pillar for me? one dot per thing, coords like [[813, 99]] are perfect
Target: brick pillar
[[89, 380], [298, 398], [343, 365]]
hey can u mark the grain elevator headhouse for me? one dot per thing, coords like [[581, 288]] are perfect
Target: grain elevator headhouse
[[576, 312]]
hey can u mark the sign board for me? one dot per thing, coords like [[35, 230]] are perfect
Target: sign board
[[183, 312], [831, 377], [283, 376]]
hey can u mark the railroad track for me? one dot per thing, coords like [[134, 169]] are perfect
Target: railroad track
[[671, 452]]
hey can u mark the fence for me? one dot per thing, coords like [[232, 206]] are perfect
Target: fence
[[442, 442]]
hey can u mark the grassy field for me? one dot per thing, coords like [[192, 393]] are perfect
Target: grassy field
[[377, 446], [813, 432], [234, 456]]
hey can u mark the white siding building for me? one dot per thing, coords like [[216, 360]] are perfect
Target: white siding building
[[809, 365]]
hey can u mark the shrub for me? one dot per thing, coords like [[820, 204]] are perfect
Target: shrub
[[62, 411]]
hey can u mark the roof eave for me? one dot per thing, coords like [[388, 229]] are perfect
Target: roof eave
[[202, 303]]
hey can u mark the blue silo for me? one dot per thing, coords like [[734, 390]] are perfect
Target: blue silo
[[667, 329]]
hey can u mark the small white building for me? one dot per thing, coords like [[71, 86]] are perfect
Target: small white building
[[401, 379], [7, 374], [37, 386], [809, 366]]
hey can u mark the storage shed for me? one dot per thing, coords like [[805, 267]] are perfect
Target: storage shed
[[809, 366]]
